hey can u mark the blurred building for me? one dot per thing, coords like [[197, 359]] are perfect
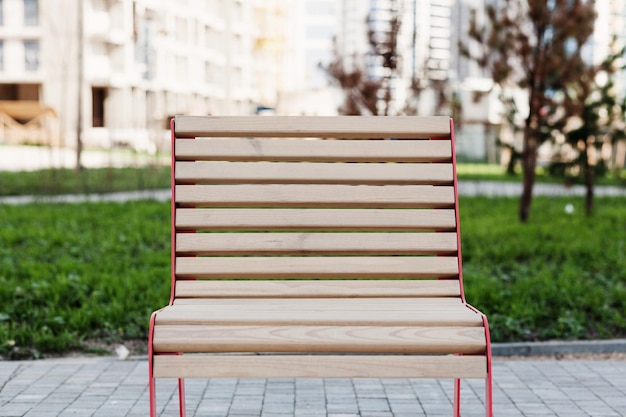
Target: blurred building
[[313, 26], [142, 61]]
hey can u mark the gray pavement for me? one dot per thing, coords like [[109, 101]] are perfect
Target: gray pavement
[[107, 387], [466, 188]]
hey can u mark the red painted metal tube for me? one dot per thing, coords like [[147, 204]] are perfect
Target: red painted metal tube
[[456, 210], [173, 211]]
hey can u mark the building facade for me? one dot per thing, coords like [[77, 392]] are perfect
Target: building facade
[[125, 67]]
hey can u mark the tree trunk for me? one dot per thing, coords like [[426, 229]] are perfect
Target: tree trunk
[[589, 180], [529, 163], [80, 72]]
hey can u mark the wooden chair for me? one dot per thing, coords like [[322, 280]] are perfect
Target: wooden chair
[[316, 247]]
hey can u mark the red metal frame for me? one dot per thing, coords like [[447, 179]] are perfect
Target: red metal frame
[[456, 210], [173, 210], [489, 378], [181, 381]]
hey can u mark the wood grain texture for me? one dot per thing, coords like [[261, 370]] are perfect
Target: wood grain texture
[[317, 267], [205, 172], [307, 195], [316, 243], [319, 339], [316, 150], [206, 314], [319, 366], [340, 267], [317, 126], [364, 304], [325, 219], [317, 288]]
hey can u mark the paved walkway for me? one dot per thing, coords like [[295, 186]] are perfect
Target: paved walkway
[[106, 387], [466, 188]]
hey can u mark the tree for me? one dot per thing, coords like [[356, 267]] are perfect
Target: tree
[[597, 119], [535, 46], [365, 93], [384, 49], [373, 94], [360, 93]]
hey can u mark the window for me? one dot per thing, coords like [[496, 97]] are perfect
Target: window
[[31, 55], [98, 100], [31, 12], [1, 13]]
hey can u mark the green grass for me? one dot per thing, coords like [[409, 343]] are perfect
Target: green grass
[[495, 172], [560, 277], [70, 273], [95, 180], [103, 180]]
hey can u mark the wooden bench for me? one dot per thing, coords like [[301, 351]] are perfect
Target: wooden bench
[[316, 247]]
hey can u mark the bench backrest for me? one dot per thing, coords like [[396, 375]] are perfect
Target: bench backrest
[[314, 207]]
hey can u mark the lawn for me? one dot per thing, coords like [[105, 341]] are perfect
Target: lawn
[[103, 180], [73, 273], [94, 180]]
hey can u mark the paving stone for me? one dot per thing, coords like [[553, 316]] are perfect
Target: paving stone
[[105, 387]]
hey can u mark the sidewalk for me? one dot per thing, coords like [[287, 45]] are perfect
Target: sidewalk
[[466, 188], [106, 387]]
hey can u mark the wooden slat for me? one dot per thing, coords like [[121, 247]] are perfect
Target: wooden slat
[[319, 366], [203, 314], [333, 126], [319, 339], [204, 172], [329, 219], [317, 267], [315, 243], [315, 150], [331, 196], [317, 288], [337, 304]]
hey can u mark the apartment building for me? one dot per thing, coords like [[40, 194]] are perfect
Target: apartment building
[[132, 64]]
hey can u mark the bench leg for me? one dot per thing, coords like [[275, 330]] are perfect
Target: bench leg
[[152, 391], [181, 397], [489, 394], [457, 398]]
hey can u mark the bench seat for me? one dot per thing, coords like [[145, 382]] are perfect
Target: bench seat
[[335, 325]]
